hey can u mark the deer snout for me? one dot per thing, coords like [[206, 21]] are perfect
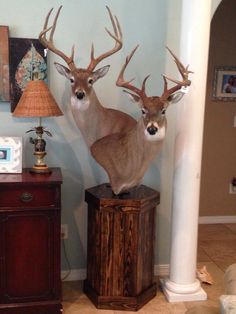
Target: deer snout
[[80, 94], [152, 130]]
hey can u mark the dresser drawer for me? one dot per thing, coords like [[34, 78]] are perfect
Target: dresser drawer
[[29, 196]]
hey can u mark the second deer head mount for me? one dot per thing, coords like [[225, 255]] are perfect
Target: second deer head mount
[[93, 120], [126, 156]]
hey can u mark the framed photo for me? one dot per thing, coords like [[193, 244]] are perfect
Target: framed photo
[[27, 62], [10, 154], [4, 64], [224, 87]]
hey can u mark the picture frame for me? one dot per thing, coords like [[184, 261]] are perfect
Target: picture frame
[[28, 61], [224, 84], [10, 154], [4, 64]]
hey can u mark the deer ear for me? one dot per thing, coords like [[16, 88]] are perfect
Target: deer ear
[[173, 99], [100, 72], [63, 70]]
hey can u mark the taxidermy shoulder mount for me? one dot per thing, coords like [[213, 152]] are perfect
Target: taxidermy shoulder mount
[[125, 156], [92, 118]]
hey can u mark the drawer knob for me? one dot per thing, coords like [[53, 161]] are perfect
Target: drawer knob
[[26, 197]]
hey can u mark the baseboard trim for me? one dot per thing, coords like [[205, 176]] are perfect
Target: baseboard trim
[[161, 270], [73, 274], [80, 274], [217, 219]]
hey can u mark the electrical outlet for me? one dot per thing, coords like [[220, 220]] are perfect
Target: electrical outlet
[[232, 189], [64, 231]]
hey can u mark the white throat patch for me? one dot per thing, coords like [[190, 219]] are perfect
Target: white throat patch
[[79, 104]]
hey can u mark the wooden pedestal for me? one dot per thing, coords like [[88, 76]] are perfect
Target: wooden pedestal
[[120, 258]]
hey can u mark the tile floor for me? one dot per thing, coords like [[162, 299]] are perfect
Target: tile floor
[[216, 250]]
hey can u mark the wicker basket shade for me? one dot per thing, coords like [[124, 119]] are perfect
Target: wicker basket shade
[[37, 101]]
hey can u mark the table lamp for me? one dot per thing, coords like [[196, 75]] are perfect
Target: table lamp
[[37, 101]]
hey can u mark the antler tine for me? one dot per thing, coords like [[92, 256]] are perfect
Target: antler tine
[[54, 24], [182, 69], [117, 29], [144, 84], [179, 84], [48, 43], [126, 84], [117, 36], [45, 26]]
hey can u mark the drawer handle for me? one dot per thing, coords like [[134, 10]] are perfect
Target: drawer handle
[[26, 197]]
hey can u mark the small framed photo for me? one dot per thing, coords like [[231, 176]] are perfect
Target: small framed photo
[[224, 87], [10, 154]]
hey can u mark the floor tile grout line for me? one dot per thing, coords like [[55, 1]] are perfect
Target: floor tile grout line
[[208, 255], [226, 225]]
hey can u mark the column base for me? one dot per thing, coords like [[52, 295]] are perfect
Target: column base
[[197, 295]]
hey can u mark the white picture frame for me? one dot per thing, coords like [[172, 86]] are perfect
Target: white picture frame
[[10, 154]]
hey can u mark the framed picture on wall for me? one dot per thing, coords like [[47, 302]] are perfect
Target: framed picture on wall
[[27, 62], [224, 85], [4, 64], [10, 154]]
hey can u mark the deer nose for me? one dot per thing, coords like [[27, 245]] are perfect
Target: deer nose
[[152, 130], [80, 95]]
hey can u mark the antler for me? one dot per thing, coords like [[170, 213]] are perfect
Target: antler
[[184, 73], [117, 36], [126, 84], [167, 92], [49, 43]]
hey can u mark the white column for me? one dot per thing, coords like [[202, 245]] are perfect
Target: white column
[[182, 284]]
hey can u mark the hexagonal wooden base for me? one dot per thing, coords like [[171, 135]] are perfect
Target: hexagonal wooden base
[[120, 303], [120, 258]]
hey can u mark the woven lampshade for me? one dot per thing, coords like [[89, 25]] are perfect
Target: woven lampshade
[[37, 101]]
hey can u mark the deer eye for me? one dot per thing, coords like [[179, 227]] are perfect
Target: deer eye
[[144, 111], [163, 112], [90, 81], [72, 80]]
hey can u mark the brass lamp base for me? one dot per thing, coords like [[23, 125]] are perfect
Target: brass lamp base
[[40, 167]]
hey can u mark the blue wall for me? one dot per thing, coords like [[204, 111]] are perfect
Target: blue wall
[[152, 24]]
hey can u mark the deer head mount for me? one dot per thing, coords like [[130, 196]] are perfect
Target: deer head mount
[[154, 107], [93, 120], [81, 79], [126, 156]]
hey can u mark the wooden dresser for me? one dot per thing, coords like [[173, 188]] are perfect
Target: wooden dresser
[[30, 212]]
